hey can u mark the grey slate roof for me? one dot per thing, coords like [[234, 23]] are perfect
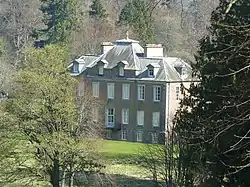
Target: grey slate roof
[[126, 51]]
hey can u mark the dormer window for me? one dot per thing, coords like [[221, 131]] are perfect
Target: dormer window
[[121, 71], [121, 65], [151, 72], [181, 70], [100, 69], [100, 66], [75, 68]]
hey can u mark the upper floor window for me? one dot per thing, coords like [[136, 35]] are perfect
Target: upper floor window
[[140, 117], [95, 89], [121, 71], [100, 69], [75, 68], [156, 119], [151, 72], [177, 92], [141, 92], [125, 91], [125, 115], [110, 90], [157, 93]]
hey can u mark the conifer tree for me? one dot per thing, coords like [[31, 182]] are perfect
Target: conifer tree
[[97, 10], [137, 14], [213, 122], [60, 18]]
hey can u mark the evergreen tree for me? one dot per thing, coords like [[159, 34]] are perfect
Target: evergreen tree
[[137, 14], [60, 19], [213, 122], [97, 10]]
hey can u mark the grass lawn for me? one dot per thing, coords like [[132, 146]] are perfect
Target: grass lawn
[[122, 158], [121, 149]]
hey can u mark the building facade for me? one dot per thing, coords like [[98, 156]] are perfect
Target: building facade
[[140, 87]]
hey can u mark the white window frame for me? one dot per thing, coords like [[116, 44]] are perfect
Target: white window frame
[[100, 69], [157, 93], [141, 92], [125, 116], [140, 117], [125, 91], [110, 116], [121, 71], [151, 70], [177, 92], [156, 119], [108, 134], [154, 138], [95, 113], [95, 89], [110, 90], [139, 136], [124, 134]]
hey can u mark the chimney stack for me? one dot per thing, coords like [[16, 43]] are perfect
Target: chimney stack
[[106, 46], [153, 50]]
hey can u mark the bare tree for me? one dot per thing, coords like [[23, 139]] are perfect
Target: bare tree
[[81, 157], [19, 18]]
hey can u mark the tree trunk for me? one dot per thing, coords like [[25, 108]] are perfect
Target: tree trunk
[[63, 178], [71, 181], [55, 173]]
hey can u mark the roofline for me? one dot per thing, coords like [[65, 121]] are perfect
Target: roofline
[[138, 79]]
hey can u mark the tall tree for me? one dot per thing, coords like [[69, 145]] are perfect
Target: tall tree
[[18, 19], [44, 104], [97, 10], [138, 15], [60, 19], [214, 119]]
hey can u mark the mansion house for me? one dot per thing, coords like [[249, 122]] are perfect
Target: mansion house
[[141, 88]]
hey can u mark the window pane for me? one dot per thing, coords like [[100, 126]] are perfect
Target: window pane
[[139, 136], [124, 135], [154, 138], [151, 72], [125, 116], [140, 117], [177, 91], [121, 71], [95, 112], [110, 117], [156, 119], [125, 91], [110, 90], [141, 92], [95, 89], [157, 93], [101, 69]]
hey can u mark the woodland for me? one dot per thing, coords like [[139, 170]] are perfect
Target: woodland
[[48, 137]]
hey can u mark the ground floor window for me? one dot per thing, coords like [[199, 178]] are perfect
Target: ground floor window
[[124, 135], [154, 137], [139, 135], [108, 134]]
